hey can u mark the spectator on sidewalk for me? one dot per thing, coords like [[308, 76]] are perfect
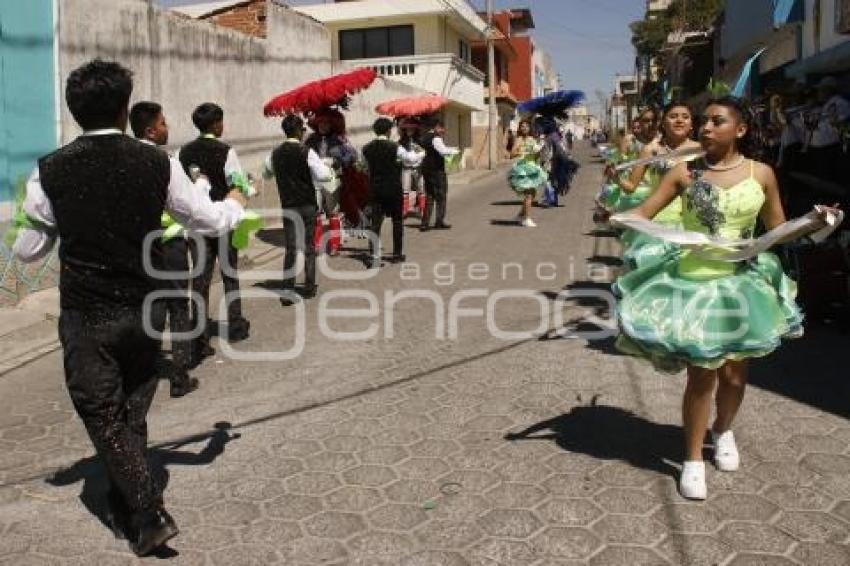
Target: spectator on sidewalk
[[219, 163], [101, 195]]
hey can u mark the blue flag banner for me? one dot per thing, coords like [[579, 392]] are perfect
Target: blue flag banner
[[744, 78], [786, 11]]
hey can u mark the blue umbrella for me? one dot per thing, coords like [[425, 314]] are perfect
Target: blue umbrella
[[553, 104]]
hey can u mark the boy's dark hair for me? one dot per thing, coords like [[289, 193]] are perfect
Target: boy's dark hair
[[206, 116], [382, 126], [142, 116], [292, 125], [97, 93]]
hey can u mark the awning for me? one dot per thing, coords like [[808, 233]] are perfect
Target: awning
[[834, 60], [786, 12]]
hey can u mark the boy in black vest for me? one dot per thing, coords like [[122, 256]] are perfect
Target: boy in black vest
[[434, 174], [386, 159], [148, 124], [295, 168], [218, 162], [101, 195]]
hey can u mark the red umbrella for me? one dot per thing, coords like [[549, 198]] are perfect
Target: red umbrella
[[416, 106], [320, 94]]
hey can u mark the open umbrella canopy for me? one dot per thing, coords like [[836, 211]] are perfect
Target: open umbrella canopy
[[320, 94], [414, 106], [553, 104]]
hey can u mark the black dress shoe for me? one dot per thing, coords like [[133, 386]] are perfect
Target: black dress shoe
[[238, 330], [399, 258], [151, 529], [424, 228], [183, 386], [310, 292], [290, 299], [443, 226]]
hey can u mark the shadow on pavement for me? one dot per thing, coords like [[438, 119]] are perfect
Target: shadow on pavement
[[610, 433], [506, 203], [512, 223], [607, 260], [96, 485], [602, 234], [812, 370], [273, 237]]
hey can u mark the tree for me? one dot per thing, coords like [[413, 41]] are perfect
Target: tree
[[650, 35]]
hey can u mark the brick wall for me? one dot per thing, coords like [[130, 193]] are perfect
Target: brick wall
[[248, 17]]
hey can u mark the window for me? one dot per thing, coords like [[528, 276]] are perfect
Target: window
[[842, 16], [464, 52], [371, 43]]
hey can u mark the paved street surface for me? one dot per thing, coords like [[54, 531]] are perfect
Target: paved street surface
[[406, 449]]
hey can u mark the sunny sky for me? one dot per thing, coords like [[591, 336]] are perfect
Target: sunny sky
[[588, 39]]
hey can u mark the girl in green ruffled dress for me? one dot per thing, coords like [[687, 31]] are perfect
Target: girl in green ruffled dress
[[676, 129], [526, 176], [644, 131], [711, 316]]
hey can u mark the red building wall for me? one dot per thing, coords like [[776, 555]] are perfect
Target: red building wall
[[520, 69]]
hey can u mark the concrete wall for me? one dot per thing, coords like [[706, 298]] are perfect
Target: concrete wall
[[27, 92], [181, 63]]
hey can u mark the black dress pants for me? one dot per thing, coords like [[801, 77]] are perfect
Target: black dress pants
[[392, 206], [201, 284], [110, 375], [175, 258], [436, 189], [306, 217]]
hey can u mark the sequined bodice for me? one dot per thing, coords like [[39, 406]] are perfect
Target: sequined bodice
[[729, 213]]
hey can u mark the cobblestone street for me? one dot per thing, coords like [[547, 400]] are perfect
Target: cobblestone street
[[437, 442]]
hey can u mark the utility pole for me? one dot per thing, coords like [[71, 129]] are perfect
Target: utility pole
[[491, 83]]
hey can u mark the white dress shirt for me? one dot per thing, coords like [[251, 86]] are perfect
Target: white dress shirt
[[190, 207], [836, 109], [320, 172], [408, 158], [441, 147]]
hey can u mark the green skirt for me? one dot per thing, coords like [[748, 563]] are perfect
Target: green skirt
[[627, 201], [674, 321], [526, 176]]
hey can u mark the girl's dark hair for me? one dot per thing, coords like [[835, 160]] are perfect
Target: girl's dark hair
[[752, 144], [655, 113], [670, 106]]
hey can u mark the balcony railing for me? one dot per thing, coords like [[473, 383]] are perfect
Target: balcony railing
[[407, 65]]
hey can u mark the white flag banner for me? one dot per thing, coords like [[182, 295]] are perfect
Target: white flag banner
[[687, 154], [812, 225]]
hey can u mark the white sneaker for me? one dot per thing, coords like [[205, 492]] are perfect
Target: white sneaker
[[692, 481], [726, 456], [529, 223]]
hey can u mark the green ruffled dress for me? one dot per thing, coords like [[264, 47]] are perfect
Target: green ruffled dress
[[527, 175], [685, 310], [642, 249]]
